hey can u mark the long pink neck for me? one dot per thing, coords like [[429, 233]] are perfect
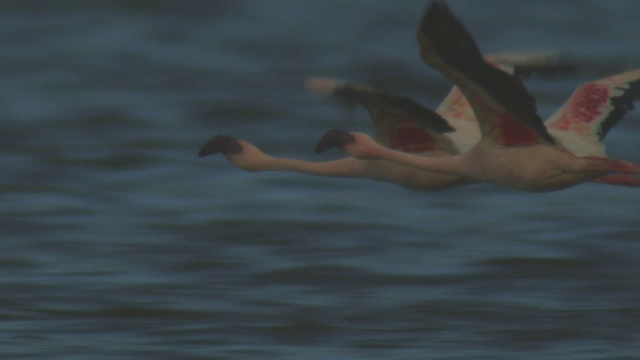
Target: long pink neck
[[447, 165], [348, 167]]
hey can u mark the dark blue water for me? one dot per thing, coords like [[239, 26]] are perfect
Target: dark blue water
[[117, 242]]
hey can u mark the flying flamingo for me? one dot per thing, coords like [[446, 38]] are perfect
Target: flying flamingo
[[399, 123], [515, 148]]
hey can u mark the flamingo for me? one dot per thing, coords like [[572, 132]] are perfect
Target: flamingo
[[515, 148], [399, 123]]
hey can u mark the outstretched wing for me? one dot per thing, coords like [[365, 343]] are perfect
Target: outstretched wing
[[506, 112], [593, 109], [521, 64], [399, 122]]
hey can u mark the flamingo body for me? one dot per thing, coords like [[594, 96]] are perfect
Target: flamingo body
[[399, 123], [248, 157], [516, 149], [506, 143]]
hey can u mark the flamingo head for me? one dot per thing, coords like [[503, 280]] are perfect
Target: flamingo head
[[221, 144], [358, 145]]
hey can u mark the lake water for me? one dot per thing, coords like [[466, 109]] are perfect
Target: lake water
[[118, 242]]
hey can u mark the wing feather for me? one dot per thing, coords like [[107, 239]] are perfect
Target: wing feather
[[592, 110], [399, 122], [506, 112]]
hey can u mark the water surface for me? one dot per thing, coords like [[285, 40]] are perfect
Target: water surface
[[119, 243]]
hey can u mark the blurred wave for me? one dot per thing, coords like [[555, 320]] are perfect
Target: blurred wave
[[118, 242]]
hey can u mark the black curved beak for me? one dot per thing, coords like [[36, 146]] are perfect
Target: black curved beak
[[220, 144], [333, 138]]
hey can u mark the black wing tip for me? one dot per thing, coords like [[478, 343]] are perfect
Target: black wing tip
[[224, 144], [448, 128], [448, 37], [621, 106], [424, 116], [544, 134], [394, 104], [436, 13], [440, 18], [441, 32], [349, 96]]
